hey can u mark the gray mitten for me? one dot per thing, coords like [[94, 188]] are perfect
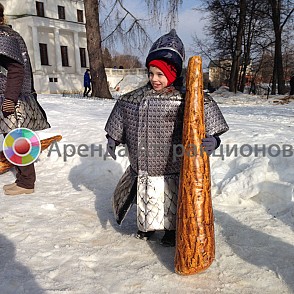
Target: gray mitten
[[111, 147], [209, 144]]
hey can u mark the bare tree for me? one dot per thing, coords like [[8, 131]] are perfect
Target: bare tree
[[249, 23], [126, 61], [281, 12], [236, 53], [226, 27], [98, 75], [288, 56], [257, 39]]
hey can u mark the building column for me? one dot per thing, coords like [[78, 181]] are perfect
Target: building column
[[57, 50], [77, 53], [37, 57]]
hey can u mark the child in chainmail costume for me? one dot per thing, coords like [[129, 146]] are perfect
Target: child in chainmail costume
[[149, 121]]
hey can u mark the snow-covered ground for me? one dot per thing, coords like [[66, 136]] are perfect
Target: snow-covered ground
[[64, 239]]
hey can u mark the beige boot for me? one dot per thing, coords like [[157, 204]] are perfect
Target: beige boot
[[16, 190], [9, 186]]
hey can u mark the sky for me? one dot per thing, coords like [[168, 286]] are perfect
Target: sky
[[190, 22]]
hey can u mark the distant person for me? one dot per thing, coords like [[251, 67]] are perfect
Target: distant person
[[17, 89], [87, 83], [292, 85], [252, 88]]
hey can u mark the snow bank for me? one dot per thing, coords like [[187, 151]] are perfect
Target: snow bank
[[63, 238]]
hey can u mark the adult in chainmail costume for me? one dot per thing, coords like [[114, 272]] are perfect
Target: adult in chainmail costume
[[149, 122], [19, 106]]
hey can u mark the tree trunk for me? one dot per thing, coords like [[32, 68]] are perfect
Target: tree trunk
[[238, 49], [248, 37], [274, 79], [234, 72], [98, 76], [279, 64], [278, 71], [242, 82]]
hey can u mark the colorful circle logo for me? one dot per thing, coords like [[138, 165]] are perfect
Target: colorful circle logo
[[21, 146]]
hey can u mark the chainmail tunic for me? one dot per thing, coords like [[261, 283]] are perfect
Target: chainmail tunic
[[150, 124], [29, 113]]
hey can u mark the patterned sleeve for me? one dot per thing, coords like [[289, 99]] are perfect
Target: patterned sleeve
[[215, 122], [115, 124], [9, 47]]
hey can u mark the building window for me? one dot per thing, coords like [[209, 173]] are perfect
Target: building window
[[64, 55], [83, 57], [61, 12], [43, 54], [40, 8], [80, 15]]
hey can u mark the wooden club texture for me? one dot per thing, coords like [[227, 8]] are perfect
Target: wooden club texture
[[195, 247]]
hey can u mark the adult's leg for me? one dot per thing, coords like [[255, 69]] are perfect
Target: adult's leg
[[7, 186], [26, 176]]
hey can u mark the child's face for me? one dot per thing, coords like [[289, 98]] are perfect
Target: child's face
[[157, 78]]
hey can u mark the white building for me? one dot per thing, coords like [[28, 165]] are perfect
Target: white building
[[55, 34]]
